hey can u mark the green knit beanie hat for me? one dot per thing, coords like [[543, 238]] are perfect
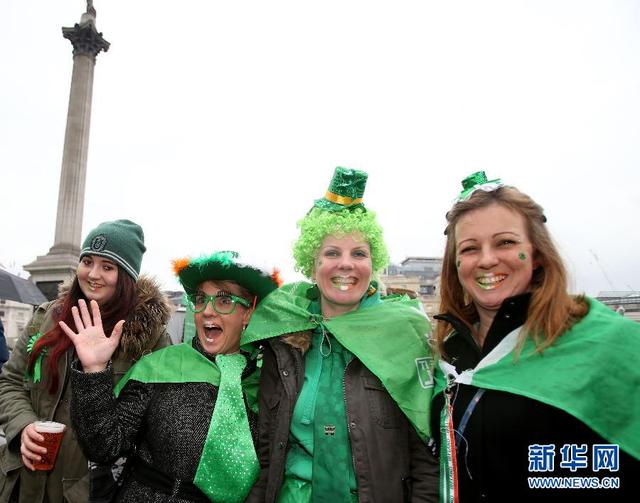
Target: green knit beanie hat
[[121, 241]]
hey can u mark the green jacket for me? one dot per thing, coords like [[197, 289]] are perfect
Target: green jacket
[[22, 401]]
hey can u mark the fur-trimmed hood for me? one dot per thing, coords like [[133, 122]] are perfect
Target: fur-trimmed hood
[[147, 320], [146, 324]]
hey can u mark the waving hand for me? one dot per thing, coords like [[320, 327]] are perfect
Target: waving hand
[[93, 347]]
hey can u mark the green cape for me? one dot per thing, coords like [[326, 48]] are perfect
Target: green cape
[[180, 364], [390, 339], [590, 372]]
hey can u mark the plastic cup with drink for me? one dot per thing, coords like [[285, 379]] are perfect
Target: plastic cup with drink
[[52, 433]]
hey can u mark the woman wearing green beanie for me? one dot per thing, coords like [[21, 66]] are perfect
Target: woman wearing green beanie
[[34, 384], [184, 411], [345, 386]]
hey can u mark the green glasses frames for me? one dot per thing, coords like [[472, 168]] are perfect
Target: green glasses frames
[[223, 303]]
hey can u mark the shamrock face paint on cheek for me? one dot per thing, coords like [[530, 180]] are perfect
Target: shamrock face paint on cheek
[[522, 256], [458, 264]]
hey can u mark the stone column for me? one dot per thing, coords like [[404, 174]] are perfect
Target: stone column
[[49, 270]]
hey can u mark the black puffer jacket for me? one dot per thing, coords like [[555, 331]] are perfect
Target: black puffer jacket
[[391, 463]]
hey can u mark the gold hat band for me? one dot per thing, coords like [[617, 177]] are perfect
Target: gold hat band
[[343, 200]]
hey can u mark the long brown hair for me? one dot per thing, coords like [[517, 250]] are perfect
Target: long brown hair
[[55, 342], [551, 310]]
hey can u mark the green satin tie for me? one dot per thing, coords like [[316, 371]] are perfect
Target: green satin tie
[[229, 465]]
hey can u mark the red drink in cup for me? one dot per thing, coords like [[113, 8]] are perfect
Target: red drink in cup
[[52, 433]]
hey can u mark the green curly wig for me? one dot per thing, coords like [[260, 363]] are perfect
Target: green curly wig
[[318, 224]]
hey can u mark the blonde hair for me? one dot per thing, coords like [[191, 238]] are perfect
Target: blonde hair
[[552, 310]]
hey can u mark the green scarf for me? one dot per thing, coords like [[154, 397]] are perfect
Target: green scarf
[[390, 339], [181, 364], [590, 372]]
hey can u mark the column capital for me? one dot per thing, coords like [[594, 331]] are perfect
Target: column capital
[[85, 39]]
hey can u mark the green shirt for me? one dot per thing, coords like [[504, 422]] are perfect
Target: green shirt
[[300, 457]]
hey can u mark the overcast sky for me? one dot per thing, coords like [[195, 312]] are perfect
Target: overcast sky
[[215, 124]]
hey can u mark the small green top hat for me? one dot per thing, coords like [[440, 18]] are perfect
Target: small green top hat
[[477, 181], [225, 266], [345, 191]]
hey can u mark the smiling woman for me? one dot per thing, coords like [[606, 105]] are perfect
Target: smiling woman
[[495, 259], [35, 383], [338, 421], [525, 365], [97, 277], [343, 272]]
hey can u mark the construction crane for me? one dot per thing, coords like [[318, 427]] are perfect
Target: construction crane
[[604, 273]]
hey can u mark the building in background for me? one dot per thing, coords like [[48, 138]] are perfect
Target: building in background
[[15, 316], [418, 277], [175, 326], [623, 302]]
